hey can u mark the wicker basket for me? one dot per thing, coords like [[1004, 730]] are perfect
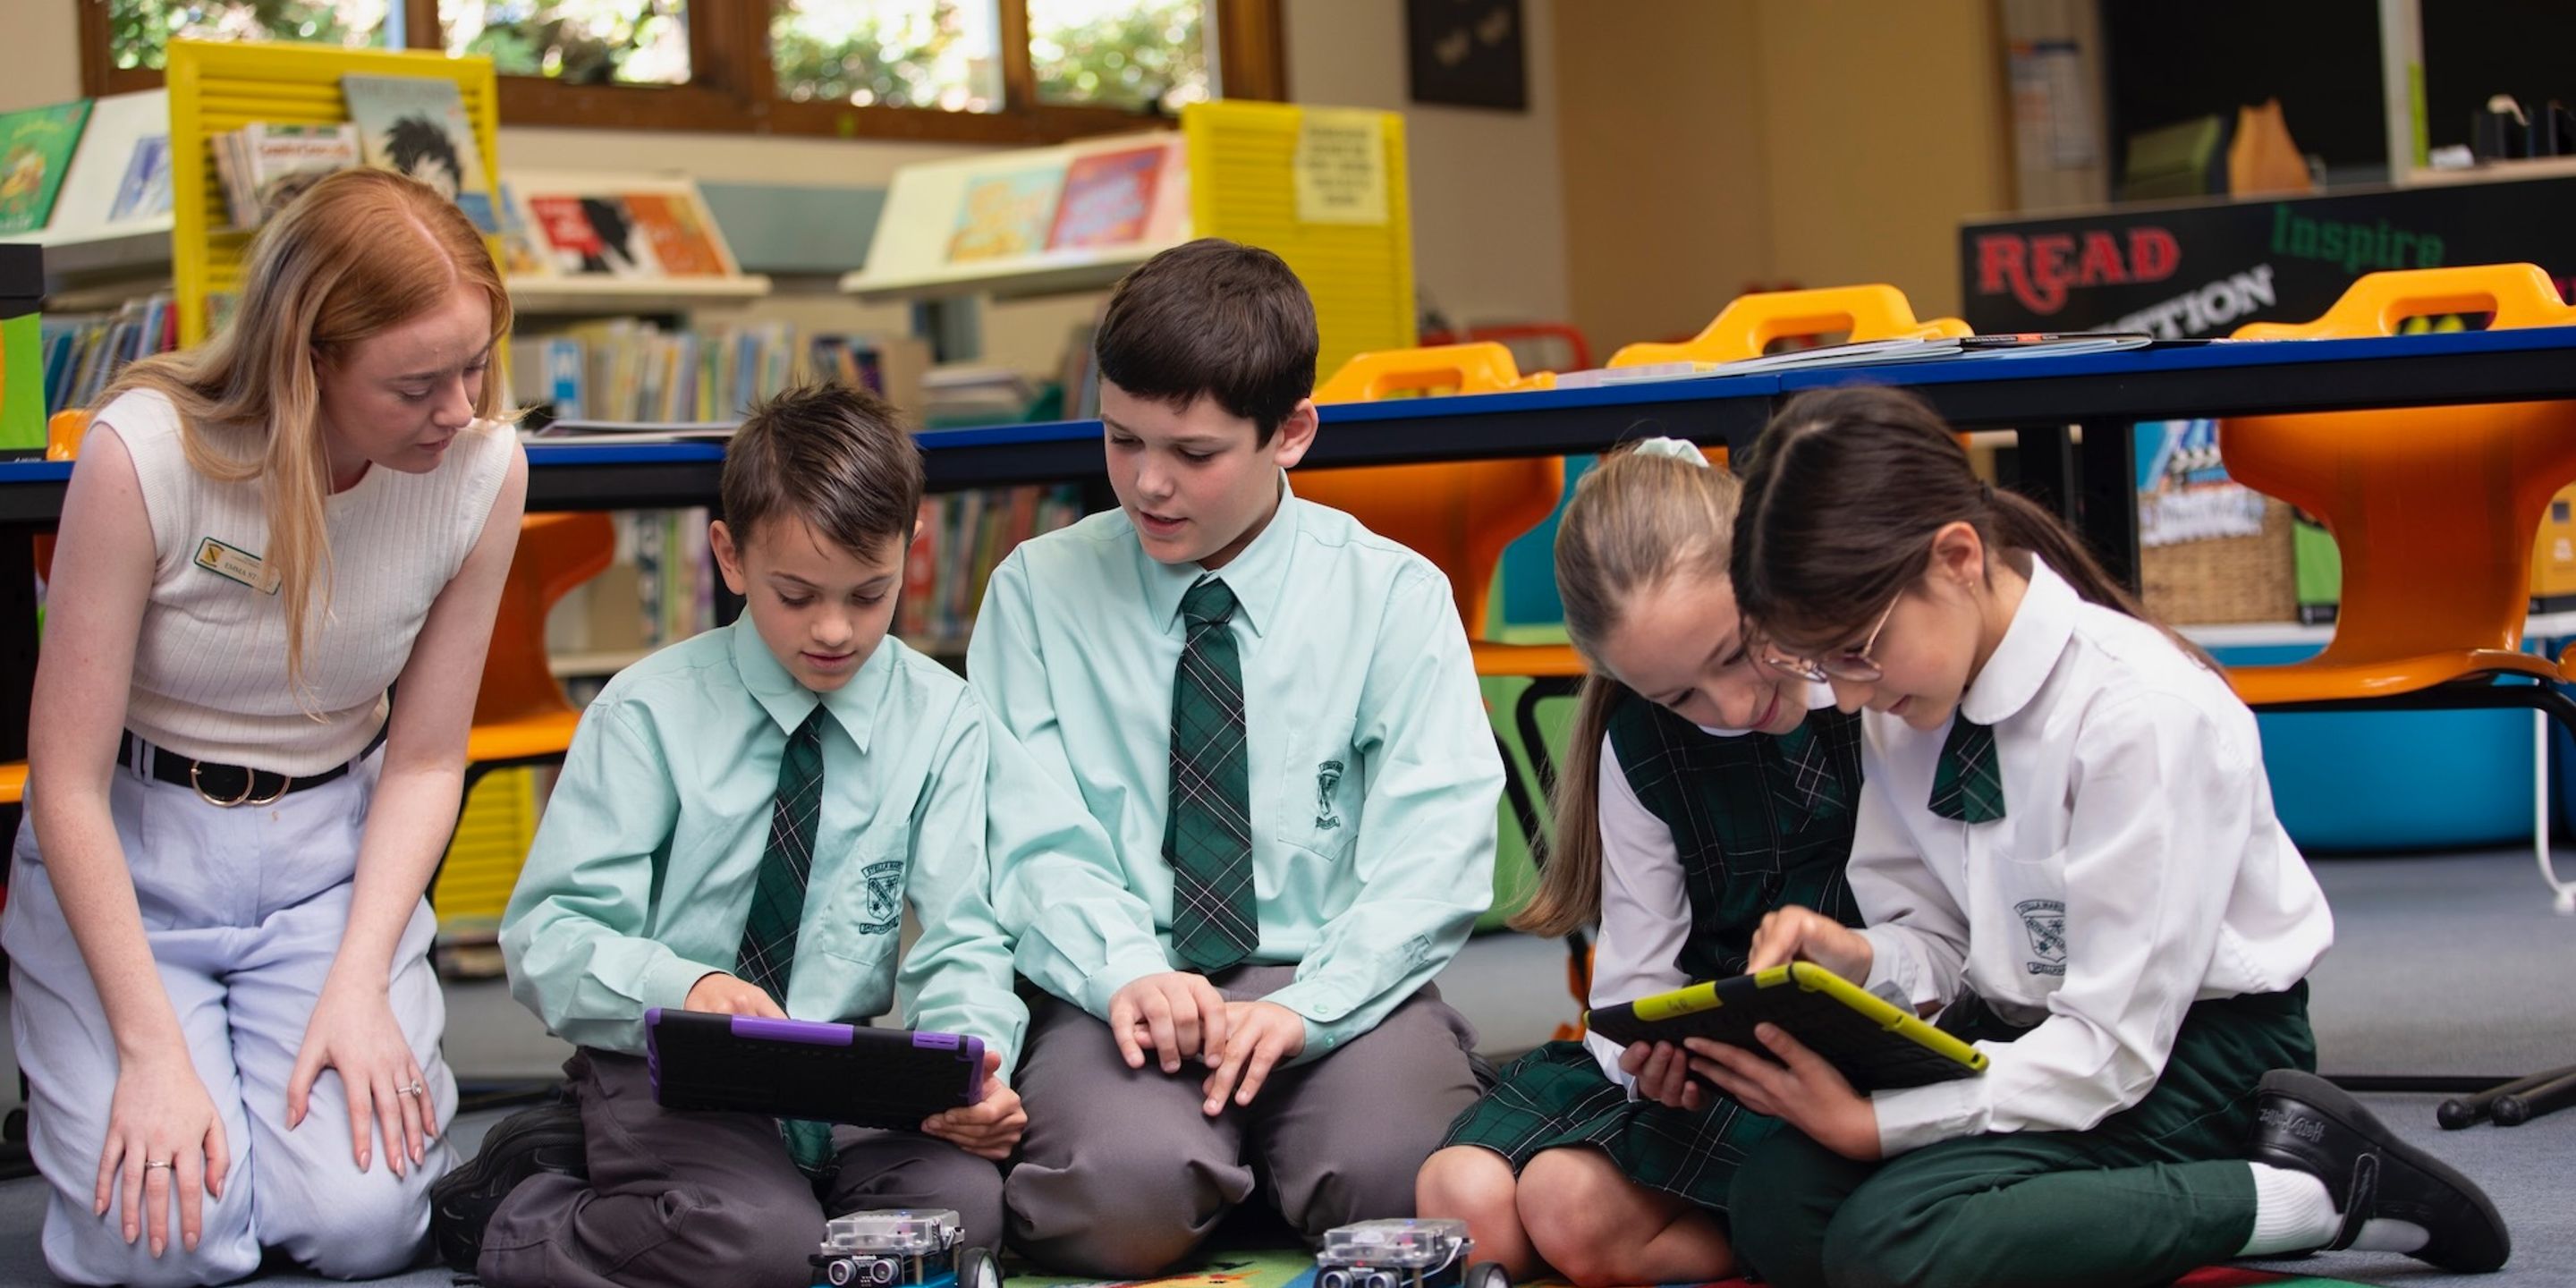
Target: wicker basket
[[2225, 579]]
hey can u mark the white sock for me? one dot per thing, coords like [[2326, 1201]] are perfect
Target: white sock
[[2293, 1212]]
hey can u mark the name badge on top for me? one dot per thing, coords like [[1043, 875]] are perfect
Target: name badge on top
[[236, 564]]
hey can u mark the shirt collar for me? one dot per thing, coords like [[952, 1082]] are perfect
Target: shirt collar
[[853, 705], [2029, 650], [1257, 574]]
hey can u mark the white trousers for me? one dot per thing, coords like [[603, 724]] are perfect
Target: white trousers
[[245, 908]]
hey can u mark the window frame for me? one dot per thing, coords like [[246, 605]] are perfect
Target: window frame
[[732, 86]]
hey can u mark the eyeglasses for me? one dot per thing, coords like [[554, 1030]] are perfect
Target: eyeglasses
[[1853, 665]]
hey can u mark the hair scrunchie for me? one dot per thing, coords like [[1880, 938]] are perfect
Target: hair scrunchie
[[1674, 448]]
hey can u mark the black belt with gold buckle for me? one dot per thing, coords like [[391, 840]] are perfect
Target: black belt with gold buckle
[[230, 785]]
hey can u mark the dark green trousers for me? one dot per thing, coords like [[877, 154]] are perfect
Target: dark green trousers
[[2148, 1194]]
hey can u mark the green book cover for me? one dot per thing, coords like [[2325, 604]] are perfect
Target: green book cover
[[22, 387], [35, 148]]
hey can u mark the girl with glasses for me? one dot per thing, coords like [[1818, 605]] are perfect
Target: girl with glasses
[[2067, 850], [1700, 795]]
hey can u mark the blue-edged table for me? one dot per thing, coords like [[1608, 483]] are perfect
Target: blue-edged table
[[2090, 477]]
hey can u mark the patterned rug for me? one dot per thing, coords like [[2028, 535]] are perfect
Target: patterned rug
[[1291, 1268]]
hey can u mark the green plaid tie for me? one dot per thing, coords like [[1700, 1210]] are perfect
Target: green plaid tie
[[768, 953], [1968, 785], [1209, 839]]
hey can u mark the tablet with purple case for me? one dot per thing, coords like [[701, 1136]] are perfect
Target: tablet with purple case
[[843, 1073]]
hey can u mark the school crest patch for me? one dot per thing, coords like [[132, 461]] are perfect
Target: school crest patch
[[885, 896], [1328, 776], [2044, 920]]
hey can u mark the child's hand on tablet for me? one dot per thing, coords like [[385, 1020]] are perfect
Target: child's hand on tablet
[[1795, 1085], [1803, 934], [989, 1128], [1662, 1072], [725, 995]]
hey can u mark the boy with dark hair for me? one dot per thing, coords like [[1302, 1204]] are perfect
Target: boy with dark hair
[[738, 827], [1272, 714]]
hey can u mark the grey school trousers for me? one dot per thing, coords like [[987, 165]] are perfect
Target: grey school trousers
[[1121, 1175], [708, 1200]]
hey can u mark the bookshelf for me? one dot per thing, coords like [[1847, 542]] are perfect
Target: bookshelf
[[136, 249], [1027, 222], [1325, 188]]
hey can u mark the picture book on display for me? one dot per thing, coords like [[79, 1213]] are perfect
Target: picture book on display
[[35, 149], [678, 233], [1108, 198], [519, 256], [119, 177], [1005, 215], [144, 192], [589, 237], [615, 226], [416, 125]]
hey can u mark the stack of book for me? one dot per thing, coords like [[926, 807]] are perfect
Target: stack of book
[[263, 167]]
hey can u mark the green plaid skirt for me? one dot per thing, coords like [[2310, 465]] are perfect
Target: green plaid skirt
[[1557, 1096]]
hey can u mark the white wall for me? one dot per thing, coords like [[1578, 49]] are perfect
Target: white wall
[[1713, 145], [40, 59], [1488, 196]]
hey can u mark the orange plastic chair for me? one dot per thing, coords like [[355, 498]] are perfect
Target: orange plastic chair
[[520, 714], [1750, 323], [2434, 510], [1578, 350], [1482, 367]]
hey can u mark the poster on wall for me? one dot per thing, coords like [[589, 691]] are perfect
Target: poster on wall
[[2201, 270], [1467, 53]]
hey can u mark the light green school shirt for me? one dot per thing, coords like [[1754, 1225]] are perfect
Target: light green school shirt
[[1374, 776], [643, 867]]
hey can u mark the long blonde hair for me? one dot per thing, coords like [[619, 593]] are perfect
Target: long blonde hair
[[360, 253], [1637, 521]]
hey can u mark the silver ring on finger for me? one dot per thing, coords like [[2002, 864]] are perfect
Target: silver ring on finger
[[150, 1164], [412, 1088]]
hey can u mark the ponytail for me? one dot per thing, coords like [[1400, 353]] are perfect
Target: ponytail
[[1569, 883]]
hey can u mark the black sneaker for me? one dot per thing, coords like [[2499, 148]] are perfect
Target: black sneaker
[[546, 1138], [2313, 1126]]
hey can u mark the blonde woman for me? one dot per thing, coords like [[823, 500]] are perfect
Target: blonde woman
[[220, 987]]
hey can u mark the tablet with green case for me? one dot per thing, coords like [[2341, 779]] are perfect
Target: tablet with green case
[[1877, 1045]]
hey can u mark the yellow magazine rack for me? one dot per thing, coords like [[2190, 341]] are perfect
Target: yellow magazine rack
[[216, 87], [1248, 164]]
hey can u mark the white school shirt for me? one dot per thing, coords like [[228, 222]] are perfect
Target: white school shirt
[[2138, 869], [1645, 905]]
